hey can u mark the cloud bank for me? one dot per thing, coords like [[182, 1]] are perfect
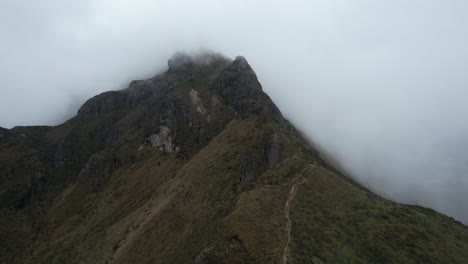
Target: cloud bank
[[382, 86]]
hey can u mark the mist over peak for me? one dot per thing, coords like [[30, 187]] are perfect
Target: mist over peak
[[185, 60]]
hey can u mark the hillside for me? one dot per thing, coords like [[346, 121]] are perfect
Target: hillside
[[197, 165]]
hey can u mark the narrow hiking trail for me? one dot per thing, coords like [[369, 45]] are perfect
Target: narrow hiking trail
[[287, 207]]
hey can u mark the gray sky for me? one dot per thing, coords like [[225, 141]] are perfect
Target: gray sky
[[380, 85]]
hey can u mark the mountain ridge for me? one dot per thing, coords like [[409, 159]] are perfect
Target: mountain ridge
[[196, 165]]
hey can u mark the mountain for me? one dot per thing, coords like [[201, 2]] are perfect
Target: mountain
[[197, 165]]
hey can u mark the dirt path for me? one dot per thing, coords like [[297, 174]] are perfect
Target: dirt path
[[287, 207]]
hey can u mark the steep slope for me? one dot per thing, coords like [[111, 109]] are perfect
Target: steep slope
[[197, 165]]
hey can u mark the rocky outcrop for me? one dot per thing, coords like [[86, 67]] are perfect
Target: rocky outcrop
[[103, 103], [201, 257], [197, 102], [273, 150], [248, 167], [137, 92], [140, 91], [239, 87], [39, 181], [163, 140]]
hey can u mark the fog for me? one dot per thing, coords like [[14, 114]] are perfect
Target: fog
[[381, 86]]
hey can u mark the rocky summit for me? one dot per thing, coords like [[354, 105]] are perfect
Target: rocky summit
[[197, 165]]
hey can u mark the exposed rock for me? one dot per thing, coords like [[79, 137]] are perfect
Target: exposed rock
[[38, 181], [248, 166], [198, 131], [273, 150], [197, 101], [102, 103], [172, 110], [139, 91], [163, 140], [201, 257], [239, 87]]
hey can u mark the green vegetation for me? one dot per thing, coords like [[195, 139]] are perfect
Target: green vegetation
[[338, 222]]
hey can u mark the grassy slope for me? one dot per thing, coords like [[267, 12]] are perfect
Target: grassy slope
[[338, 222]]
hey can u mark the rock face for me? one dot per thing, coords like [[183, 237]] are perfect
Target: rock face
[[248, 166], [163, 140], [103, 103], [197, 102], [239, 87], [196, 165], [273, 150]]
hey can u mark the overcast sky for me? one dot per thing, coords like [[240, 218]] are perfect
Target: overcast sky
[[382, 86]]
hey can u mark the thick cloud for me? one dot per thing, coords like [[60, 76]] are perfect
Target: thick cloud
[[381, 86]]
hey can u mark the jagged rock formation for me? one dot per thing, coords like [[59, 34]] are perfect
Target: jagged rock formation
[[195, 165]]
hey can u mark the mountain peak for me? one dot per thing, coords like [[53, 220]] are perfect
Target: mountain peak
[[234, 81], [241, 65], [197, 165], [238, 85], [182, 61], [241, 60]]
